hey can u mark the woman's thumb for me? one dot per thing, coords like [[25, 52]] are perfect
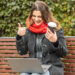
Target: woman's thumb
[[19, 25]]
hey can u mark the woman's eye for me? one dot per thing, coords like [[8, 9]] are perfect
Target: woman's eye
[[33, 16], [39, 17]]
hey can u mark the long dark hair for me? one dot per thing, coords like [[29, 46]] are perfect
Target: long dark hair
[[47, 15]]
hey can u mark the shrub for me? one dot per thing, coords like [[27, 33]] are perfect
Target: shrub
[[16, 11]]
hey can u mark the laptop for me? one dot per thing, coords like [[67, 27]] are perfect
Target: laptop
[[28, 65]]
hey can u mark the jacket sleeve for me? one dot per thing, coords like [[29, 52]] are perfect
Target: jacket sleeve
[[60, 48], [21, 44]]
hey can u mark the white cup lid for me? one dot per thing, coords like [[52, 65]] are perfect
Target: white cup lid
[[52, 24]]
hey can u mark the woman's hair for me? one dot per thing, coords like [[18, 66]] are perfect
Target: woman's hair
[[47, 15]]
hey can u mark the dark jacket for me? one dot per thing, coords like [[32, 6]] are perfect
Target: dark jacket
[[51, 52]]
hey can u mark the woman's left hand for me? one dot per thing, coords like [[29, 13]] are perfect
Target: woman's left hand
[[52, 37]]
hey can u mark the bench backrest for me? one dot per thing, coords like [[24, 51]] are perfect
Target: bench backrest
[[69, 60], [8, 50]]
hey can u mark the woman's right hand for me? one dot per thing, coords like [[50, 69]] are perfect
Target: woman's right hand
[[21, 30]]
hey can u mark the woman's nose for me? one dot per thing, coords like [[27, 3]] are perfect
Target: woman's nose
[[36, 18]]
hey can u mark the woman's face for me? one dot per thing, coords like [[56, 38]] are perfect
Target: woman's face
[[37, 17]]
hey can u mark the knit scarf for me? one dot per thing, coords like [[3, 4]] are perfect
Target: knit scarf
[[41, 28]]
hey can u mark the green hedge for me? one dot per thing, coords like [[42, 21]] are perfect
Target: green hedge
[[16, 11]]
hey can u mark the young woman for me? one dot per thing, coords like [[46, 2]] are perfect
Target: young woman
[[40, 42]]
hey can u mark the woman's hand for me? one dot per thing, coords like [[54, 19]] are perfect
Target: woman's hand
[[52, 37], [21, 30]]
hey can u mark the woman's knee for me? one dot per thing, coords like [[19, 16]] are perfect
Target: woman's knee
[[35, 74], [24, 74], [46, 73]]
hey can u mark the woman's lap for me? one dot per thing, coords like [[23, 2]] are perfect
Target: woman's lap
[[47, 73]]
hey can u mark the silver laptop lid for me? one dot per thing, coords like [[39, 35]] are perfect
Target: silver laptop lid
[[29, 65]]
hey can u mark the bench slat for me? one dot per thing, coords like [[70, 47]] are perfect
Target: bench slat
[[69, 61], [13, 55], [3, 63], [70, 56], [8, 51], [7, 47], [9, 39], [70, 65], [70, 69], [2, 59], [7, 43], [70, 43], [70, 39], [9, 74], [71, 52], [5, 71], [5, 67], [71, 47], [69, 73]]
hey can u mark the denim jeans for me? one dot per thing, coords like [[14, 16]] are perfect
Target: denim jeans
[[46, 73]]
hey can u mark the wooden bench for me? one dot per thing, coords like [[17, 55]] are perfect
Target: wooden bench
[[8, 50]]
